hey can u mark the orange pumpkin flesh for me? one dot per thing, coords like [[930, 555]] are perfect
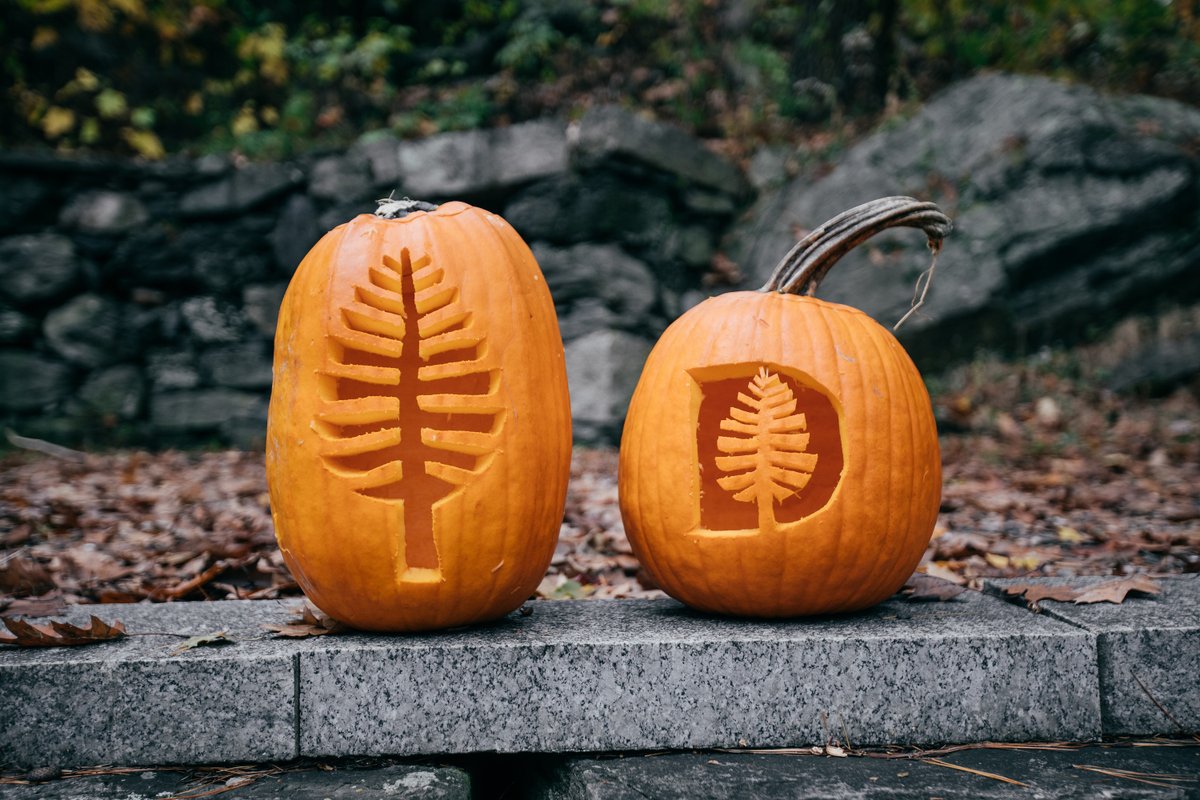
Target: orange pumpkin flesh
[[780, 456], [419, 434]]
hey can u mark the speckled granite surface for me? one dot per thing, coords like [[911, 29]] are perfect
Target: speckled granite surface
[[597, 676], [1149, 651], [619, 675], [130, 702]]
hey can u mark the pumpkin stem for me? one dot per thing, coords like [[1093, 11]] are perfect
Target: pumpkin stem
[[391, 208], [806, 264]]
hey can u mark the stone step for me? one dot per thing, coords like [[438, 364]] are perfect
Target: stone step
[[1157, 772], [588, 676]]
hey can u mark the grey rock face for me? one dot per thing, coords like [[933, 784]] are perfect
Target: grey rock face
[[211, 321], [573, 208], [86, 331], [29, 382], [296, 231], [37, 267], [469, 162], [14, 326], [603, 368], [246, 365], [202, 410], [381, 152], [608, 133], [340, 178], [242, 189], [1157, 368], [608, 287], [172, 370], [104, 212], [1065, 210], [21, 198], [116, 391], [260, 304]]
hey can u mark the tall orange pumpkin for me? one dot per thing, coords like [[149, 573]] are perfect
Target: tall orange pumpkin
[[780, 456], [419, 436]]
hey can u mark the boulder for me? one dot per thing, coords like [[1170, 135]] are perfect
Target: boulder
[[212, 321], [104, 213], [340, 178], [31, 382], [603, 368], [22, 199], [260, 305], [114, 392], [296, 231], [15, 327], [200, 411], [607, 286], [37, 267], [467, 163], [1070, 208], [87, 330], [575, 208], [172, 369], [612, 136], [218, 257], [1159, 367], [240, 190], [246, 365], [381, 151]]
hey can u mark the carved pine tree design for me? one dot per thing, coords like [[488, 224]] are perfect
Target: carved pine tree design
[[765, 457], [410, 408]]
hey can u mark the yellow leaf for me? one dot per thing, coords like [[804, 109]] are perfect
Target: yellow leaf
[[1069, 535], [57, 121], [997, 561], [145, 143], [245, 122], [194, 104], [86, 79], [1025, 562], [43, 37], [89, 131]]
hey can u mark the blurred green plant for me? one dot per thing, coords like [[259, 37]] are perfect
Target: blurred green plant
[[268, 78]]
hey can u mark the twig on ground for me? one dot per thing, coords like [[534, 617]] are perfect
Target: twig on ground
[[1152, 778], [42, 446], [938, 762], [1159, 705]]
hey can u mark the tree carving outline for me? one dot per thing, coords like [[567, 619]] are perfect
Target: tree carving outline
[[766, 458], [410, 408]]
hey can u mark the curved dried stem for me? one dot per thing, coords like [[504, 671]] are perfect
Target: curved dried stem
[[806, 264]]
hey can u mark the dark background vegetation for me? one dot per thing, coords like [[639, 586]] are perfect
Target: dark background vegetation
[[272, 78]]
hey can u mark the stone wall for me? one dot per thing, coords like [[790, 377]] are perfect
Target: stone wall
[[138, 301]]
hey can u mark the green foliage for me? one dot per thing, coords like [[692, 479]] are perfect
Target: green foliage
[[269, 78]]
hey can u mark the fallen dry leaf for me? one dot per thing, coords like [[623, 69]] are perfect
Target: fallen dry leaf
[[310, 623], [1035, 593], [1116, 591], [927, 587], [59, 634], [216, 639]]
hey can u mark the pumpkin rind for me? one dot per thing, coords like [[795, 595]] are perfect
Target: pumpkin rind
[[419, 383], [873, 508]]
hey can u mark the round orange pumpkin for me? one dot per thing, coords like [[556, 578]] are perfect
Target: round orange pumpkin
[[780, 456], [419, 435]]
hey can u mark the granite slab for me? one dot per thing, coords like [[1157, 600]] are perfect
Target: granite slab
[[1049, 775], [129, 701], [1149, 652], [630, 674], [309, 783]]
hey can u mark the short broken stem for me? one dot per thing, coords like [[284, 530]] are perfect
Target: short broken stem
[[390, 208], [809, 261]]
